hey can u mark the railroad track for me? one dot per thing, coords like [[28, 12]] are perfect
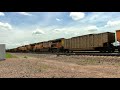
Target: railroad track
[[82, 53], [90, 54]]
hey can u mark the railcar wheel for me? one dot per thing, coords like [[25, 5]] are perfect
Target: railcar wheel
[[71, 51], [104, 51], [113, 51], [119, 50], [109, 51], [67, 51], [101, 51], [58, 51]]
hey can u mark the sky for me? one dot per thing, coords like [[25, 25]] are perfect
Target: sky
[[22, 28]]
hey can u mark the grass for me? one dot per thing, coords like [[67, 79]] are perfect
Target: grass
[[8, 55], [25, 57]]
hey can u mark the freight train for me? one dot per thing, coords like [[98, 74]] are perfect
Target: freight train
[[102, 42]]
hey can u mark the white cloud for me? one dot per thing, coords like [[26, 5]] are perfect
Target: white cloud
[[50, 16], [70, 31], [58, 19], [25, 43], [77, 15], [94, 17], [66, 32], [24, 13], [92, 28], [5, 26], [10, 45], [2, 14], [38, 31], [112, 23], [59, 29]]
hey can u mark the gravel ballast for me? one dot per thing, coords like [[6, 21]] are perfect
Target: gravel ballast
[[27, 65]]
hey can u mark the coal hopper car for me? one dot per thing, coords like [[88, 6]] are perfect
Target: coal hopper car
[[91, 42]]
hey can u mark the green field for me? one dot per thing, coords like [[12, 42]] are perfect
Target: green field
[[8, 55]]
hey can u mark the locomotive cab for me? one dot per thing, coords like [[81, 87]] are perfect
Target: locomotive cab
[[57, 45]]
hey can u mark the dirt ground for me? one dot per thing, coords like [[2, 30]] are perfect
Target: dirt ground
[[28, 65]]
